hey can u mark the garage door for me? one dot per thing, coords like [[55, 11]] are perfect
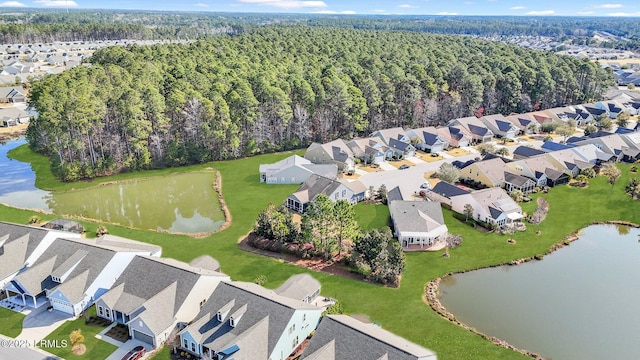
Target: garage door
[[62, 306], [142, 337]]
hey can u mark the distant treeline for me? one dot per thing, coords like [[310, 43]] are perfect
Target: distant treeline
[[282, 87]]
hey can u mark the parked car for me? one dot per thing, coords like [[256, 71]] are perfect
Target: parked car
[[135, 353], [403, 166], [425, 185]]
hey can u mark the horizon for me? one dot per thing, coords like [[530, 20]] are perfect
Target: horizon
[[543, 8]]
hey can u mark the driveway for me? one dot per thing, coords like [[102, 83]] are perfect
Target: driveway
[[39, 323], [124, 348]]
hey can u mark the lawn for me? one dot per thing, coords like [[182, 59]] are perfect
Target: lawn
[[458, 152], [400, 310], [398, 163], [10, 322], [96, 348]]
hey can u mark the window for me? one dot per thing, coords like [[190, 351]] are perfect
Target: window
[[100, 312], [344, 193], [193, 347], [232, 322], [219, 316], [336, 196], [186, 343], [107, 313], [304, 317]]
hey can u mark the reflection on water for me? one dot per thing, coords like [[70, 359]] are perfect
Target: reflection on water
[[581, 302], [184, 203]]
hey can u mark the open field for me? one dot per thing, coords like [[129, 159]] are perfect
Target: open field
[[400, 310]]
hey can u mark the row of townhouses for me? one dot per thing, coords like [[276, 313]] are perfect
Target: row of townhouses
[[193, 304]]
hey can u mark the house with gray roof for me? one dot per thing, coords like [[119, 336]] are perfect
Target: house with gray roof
[[524, 122], [12, 95], [454, 136], [245, 321], [443, 192], [492, 206], [368, 150], [13, 116], [500, 126], [335, 152], [21, 246], [153, 295], [430, 139], [417, 224], [478, 131], [295, 170], [342, 337], [302, 287], [334, 189], [72, 273], [523, 152]]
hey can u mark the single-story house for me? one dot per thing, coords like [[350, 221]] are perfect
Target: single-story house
[[442, 192], [295, 170], [341, 337], [334, 189], [523, 152], [500, 126], [492, 206], [417, 223], [12, 95], [13, 116], [516, 182], [303, 287], [429, 139], [246, 321], [454, 136], [488, 172], [478, 131], [335, 152]]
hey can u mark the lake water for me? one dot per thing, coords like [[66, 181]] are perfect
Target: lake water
[[580, 302], [180, 203]]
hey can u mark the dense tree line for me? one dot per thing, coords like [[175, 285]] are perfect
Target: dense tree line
[[280, 88]]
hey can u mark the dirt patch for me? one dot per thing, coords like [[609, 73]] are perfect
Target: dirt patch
[[79, 349], [217, 186], [458, 152], [13, 132], [398, 163]]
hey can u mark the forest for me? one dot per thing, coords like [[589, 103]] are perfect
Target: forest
[[282, 87]]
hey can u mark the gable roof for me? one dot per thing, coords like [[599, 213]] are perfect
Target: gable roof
[[516, 179], [416, 216], [346, 338], [18, 243], [447, 190], [293, 160], [314, 186], [298, 286], [258, 304], [526, 151]]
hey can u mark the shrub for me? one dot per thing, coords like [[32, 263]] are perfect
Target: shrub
[[260, 280], [35, 219]]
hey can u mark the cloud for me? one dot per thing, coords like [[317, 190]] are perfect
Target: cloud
[[201, 5], [608, 6], [56, 3], [541, 13], [379, 11], [12, 4], [407, 6], [446, 13], [517, 8], [288, 4], [624, 14], [584, 13], [345, 12]]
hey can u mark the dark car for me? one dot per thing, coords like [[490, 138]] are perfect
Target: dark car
[[135, 353], [403, 166]]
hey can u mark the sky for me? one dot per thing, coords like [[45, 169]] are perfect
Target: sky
[[403, 7]]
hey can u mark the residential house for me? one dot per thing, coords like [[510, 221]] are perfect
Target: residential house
[[526, 123], [153, 295], [523, 152], [612, 107], [417, 223], [516, 182], [614, 144], [549, 146], [492, 206], [335, 152], [488, 172], [301, 287], [540, 170], [369, 151], [580, 115], [442, 192], [295, 170], [396, 133], [569, 159], [394, 194], [454, 136], [594, 110], [430, 140], [21, 246], [13, 116], [478, 131], [245, 321], [342, 337], [542, 117], [316, 185], [401, 149], [12, 95], [500, 126], [72, 273]]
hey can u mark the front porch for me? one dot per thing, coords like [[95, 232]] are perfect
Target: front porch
[[18, 301]]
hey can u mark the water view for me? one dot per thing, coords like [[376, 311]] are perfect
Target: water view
[[180, 203], [580, 302]]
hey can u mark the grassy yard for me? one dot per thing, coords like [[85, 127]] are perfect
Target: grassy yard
[[10, 322], [398, 163], [96, 348], [400, 310], [458, 152]]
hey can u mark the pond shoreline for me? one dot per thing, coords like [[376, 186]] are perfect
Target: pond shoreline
[[431, 289]]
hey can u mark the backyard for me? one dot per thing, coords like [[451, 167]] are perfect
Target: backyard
[[401, 310]]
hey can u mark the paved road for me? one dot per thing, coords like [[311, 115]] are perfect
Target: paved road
[[409, 180], [10, 349]]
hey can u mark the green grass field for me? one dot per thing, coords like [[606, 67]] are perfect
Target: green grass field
[[400, 310], [10, 322]]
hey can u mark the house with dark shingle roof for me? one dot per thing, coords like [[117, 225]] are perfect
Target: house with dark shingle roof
[[500, 126], [524, 122], [478, 131], [516, 182], [523, 152], [21, 246], [417, 223], [245, 321], [454, 136], [335, 152], [429, 138], [153, 295], [342, 337], [71, 273], [443, 192], [334, 189]]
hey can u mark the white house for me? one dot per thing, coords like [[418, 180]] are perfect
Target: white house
[[245, 321], [492, 206], [295, 170], [417, 223]]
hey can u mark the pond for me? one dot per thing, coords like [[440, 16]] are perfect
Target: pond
[[179, 203], [580, 302]]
